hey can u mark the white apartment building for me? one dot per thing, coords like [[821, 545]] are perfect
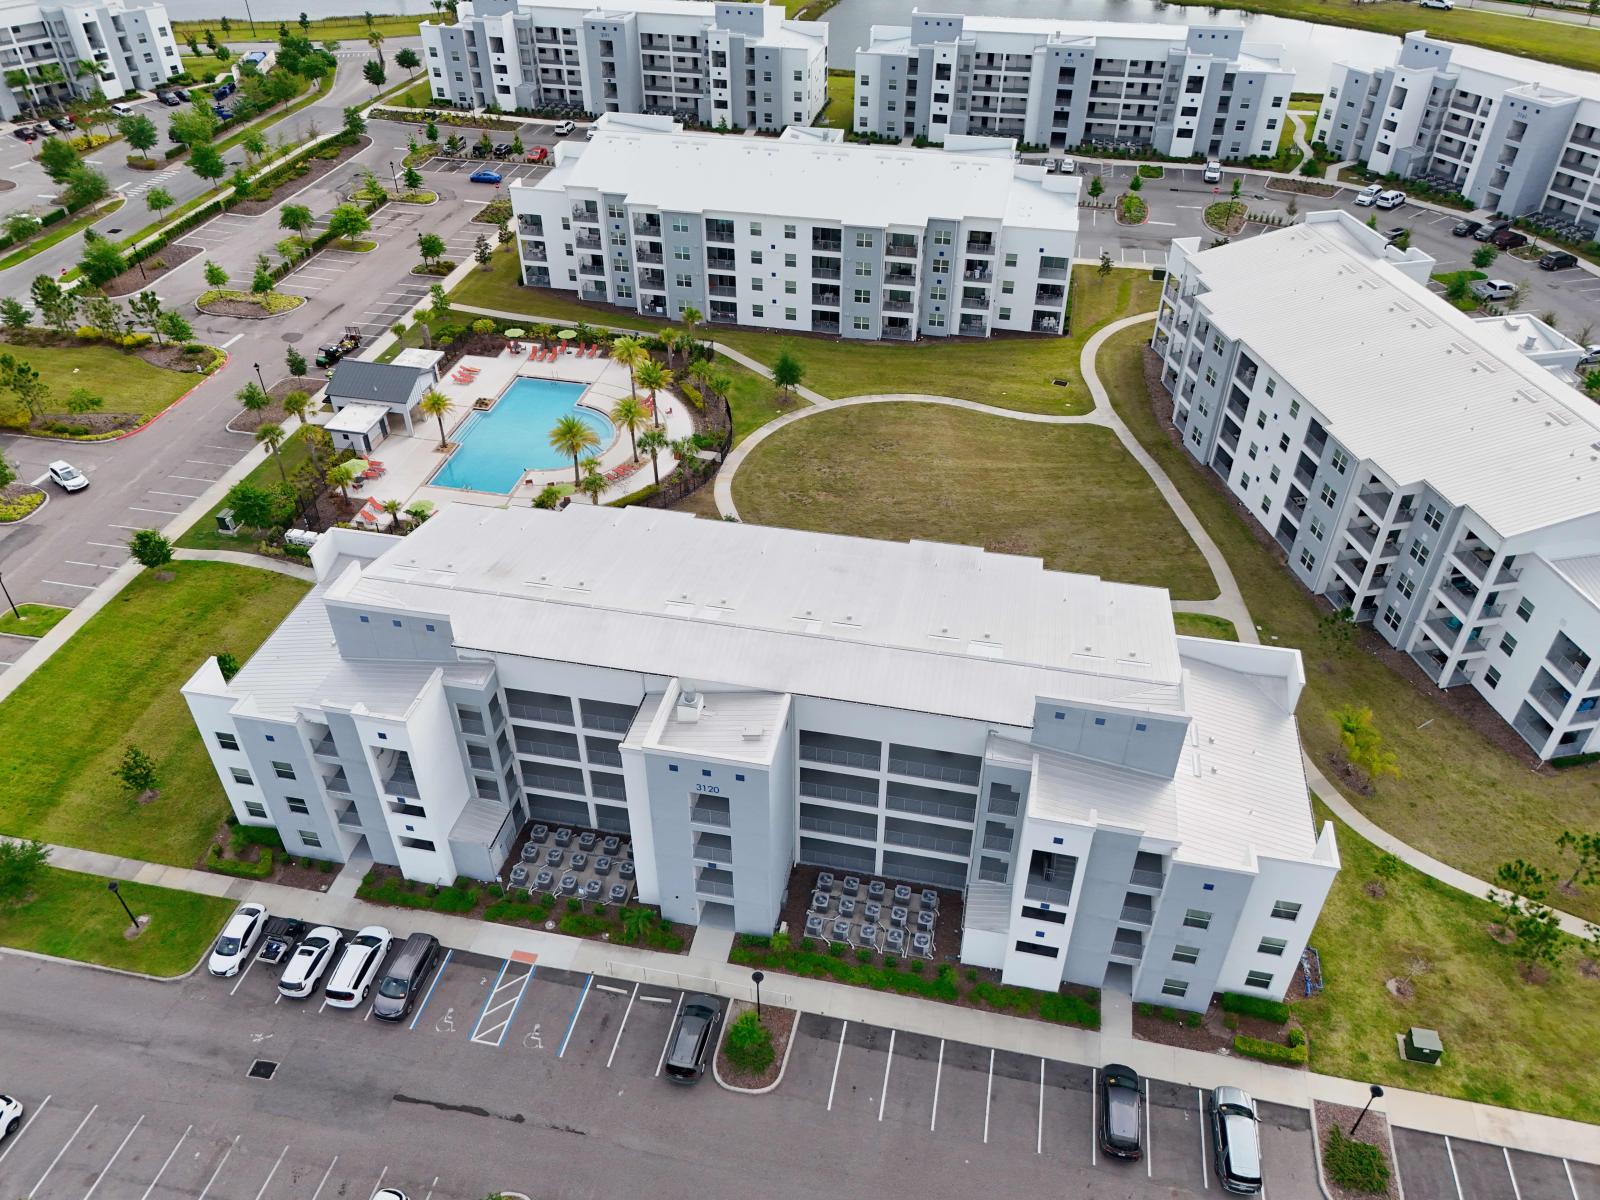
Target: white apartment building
[[743, 65], [1105, 794], [1063, 84], [802, 232], [1436, 474], [1512, 136], [128, 48]]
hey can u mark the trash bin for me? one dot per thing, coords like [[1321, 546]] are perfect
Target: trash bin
[[1423, 1045]]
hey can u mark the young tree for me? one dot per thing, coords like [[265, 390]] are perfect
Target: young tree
[[20, 226], [139, 131], [175, 326], [1105, 268], [194, 45], [593, 482], [392, 508], [413, 179], [1585, 849], [787, 371], [21, 379], [1519, 893], [374, 73], [254, 507], [304, 23], [485, 144], [354, 123], [58, 159], [517, 148], [261, 279], [431, 132], [193, 127], [14, 314], [157, 200], [253, 398], [438, 303], [1136, 184], [216, 277], [347, 222], [296, 403], [431, 247], [481, 251], [1459, 289], [254, 145], [57, 307], [1238, 185], [85, 186], [435, 404], [101, 262], [206, 161], [408, 61], [372, 189], [296, 218], [296, 362], [105, 316], [1483, 257], [375, 40], [137, 771], [146, 310], [1363, 744], [1096, 188], [149, 548], [20, 864], [81, 400]]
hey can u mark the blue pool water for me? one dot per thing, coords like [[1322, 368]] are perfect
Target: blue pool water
[[495, 447]]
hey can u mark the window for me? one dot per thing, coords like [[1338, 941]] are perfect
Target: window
[[1272, 385], [1211, 376], [864, 269], [755, 257], [1283, 443], [1273, 474], [938, 292], [863, 295], [1419, 552], [1174, 987], [1329, 496], [297, 805], [1258, 979], [1011, 260], [1261, 419], [1053, 916], [227, 741], [1432, 517], [258, 811], [1007, 288], [1186, 954], [680, 253], [789, 260], [1492, 676], [861, 324], [680, 224], [1508, 644], [1273, 946], [789, 232], [1036, 948], [941, 237], [758, 310], [683, 279], [283, 770], [1194, 918], [1286, 910], [755, 283], [1003, 315], [1294, 408], [789, 287], [240, 775], [1525, 609], [1341, 460], [1266, 504], [307, 838], [1308, 560], [1317, 528], [1391, 618], [863, 240], [1406, 586], [789, 314], [755, 228]]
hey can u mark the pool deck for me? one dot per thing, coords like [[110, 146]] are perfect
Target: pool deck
[[411, 460]]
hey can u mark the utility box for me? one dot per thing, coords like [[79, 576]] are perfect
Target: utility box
[[1423, 1046], [226, 523]]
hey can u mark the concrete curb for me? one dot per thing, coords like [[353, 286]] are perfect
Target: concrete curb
[[126, 974], [782, 1067], [23, 520]]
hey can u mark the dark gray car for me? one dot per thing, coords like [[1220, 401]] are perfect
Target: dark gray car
[[1236, 1141], [404, 978], [1121, 1112], [694, 1038]]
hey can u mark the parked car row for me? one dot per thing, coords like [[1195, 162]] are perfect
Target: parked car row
[[1376, 195], [31, 132], [1235, 1135]]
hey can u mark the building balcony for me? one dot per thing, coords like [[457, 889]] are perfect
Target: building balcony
[[1567, 667], [711, 882], [941, 772], [824, 323], [1376, 500], [836, 756], [973, 327], [824, 271], [325, 749], [828, 297], [901, 274], [586, 213], [1551, 700], [647, 226], [898, 306], [723, 290], [979, 247], [855, 830], [1038, 889], [922, 806], [648, 256], [707, 851], [824, 244], [700, 815], [402, 785], [1477, 566], [901, 249], [534, 254], [1127, 947], [587, 239], [350, 819], [1133, 914], [978, 272], [530, 223], [1433, 667]]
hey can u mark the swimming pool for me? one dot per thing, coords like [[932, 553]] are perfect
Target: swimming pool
[[495, 447]]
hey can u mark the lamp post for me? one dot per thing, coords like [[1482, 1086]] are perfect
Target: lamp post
[[395, 175], [259, 380], [9, 600], [1373, 1093], [757, 977], [117, 892]]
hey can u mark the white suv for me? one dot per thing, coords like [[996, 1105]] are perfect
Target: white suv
[[1368, 196], [357, 967], [309, 960], [10, 1116], [1213, 172], [67, 477], [238, 938], [1391, 199], [565, 127]]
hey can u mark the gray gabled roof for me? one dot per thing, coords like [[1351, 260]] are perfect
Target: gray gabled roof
[[382, 383]]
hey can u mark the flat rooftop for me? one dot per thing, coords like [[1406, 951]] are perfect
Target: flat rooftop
[[810, 180], [1403, 378], [1022, 34]]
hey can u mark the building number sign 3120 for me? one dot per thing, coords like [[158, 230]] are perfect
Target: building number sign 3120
[[709, 789]]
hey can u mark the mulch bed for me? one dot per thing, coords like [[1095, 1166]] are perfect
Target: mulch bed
[[1306, 187], [95, 422], [248, 309], [1374, 1131], [316, 169], [133, 280], [248, 422], [1462, 702], [780, 1023], [1211, 1036]]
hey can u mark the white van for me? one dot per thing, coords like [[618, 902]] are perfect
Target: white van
[[122, 110], [1213, 172]]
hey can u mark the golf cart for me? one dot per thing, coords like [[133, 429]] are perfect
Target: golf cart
[[349, 343]]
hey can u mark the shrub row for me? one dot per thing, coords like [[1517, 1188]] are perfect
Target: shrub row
[[1275, 1011], [259, 869], [1358, 1166], [15, 510], [404, 893], [1290, 1054], [60, 213], [823, 966]]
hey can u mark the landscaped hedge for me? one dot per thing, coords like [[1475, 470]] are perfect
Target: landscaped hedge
[[15, 510], [405, 893], [1358, 1166], [1256, 1006], [1290, 1054], [259, 869], [942, 986]]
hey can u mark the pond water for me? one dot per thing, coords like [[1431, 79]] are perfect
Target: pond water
[[1309, 48]]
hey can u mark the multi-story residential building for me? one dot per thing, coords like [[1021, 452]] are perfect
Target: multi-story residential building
[[1181, 91], [1104, 793], [1512, 136], [1435, 474], [803, 232], [64, 48], [742, 65]]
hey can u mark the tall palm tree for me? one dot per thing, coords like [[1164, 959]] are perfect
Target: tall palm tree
[[652, 377], [653, 442], [572, 437], [703, 371], [342, 475], [630, 415], [375, 40], [435, 404], [295, 404], [692, 319], [271, 436], [630, 352], [23, 78]]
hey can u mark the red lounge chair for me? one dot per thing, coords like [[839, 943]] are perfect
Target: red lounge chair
[[594, 349]]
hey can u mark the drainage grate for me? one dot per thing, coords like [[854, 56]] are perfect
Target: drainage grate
[[262, 1068]]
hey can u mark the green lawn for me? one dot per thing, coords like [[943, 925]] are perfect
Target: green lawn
[[115, 683], [123, 380], [1205, 625], [1459, 797], [352, 29], [60, 232], [1469, 302], [1067, 494], [841, 101], [1010, 372], [1506, 1042], [1551, 41], [203, 534], [36, 620], [74, 916], [755, 399]]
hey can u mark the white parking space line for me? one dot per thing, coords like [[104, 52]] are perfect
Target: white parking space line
[[324, 1179], [177, 495], [379, 1184], [988, 1097], [268, 1182], [107, 545], [122, 1146], [173, 1153], [34, 1116], [63, 1150], [1094, 1112], [226, 1154], [133, 527], [98, 566], [193, 478], [566, 1039], [1205, 1173], [623, 1025], [838, 1055], [671, 1025], [938, 1074], [88, 587], [1149, 1141], [1039, 1143], [888, 1061], [242, 974], [495, 1027], [1454, 1174], [1567, 1167], [1515, 1190], [164, 512]]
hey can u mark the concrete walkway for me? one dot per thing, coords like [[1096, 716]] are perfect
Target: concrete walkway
[[242, 558], [1413, 1110]]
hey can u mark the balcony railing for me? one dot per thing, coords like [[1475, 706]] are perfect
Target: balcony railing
[[721, 854], [1569, 668], [712, 887], [401, 785], [1049, 892], [850, 829], [919, 806], [710, 816], [350, 819], [901, 249], [325, 748], [648, 256], [581, 212], [843, 795], [1134, 915], [986, 248], [1127, 948], [1150, 879], [923, 770]]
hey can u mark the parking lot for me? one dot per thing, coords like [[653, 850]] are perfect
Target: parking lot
[[1433, 1167], [507, 169]]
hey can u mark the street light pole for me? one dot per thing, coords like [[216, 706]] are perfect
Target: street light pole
[[117, 892], [259, 380], [9, 600], [1373, 1093], [757, 976], [395, 175]]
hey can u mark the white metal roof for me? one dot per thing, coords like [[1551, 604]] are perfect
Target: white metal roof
[[1403, 378], [1508, 71], [738, 725], [875, 186], [356, 418]]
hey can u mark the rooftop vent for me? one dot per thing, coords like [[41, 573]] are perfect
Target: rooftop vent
[[752, 733], [689, 706]]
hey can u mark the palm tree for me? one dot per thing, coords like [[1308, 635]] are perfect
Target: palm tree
[[295, 404], [342, 475], [592, 483], [704, 372], [392, 507], [435, 404], [653, 442], [543, 333], [271, 436], [653, 376], [692, 318], [375, 40], [420, 511], [629, 414], [23, 78], [572, 437], [630, 352]]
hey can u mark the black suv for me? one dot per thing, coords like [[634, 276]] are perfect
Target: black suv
[[1484, 233], [1466, 228], [693, 1039], [1557, 260], [1121, 1123]]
